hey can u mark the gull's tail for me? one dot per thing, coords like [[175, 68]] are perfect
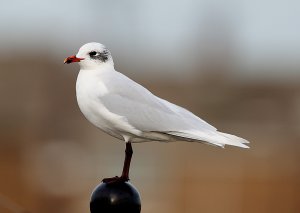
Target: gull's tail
[[210, 137]]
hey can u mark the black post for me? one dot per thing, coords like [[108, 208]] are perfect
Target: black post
[[116, 197]]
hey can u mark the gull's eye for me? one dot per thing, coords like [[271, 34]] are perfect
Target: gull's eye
[[93, 53], [99, 56]]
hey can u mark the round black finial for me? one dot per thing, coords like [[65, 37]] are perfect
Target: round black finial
[[116, 197]]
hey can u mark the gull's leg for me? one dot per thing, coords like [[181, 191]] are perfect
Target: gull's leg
[[127, 161], [126, 167]]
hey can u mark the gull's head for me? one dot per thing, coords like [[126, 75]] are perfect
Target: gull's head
[[91, 56]]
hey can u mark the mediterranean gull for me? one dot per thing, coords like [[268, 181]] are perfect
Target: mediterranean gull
[[126, 110]]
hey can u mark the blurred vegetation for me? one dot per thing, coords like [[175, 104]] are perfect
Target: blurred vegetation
[[51, 157]]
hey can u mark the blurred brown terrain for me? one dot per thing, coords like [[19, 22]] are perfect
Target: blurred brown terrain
[[51, 158]]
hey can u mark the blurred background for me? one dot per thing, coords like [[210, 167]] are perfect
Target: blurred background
[[234, 63]]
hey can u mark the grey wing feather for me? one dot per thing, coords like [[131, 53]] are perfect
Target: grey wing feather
[[145, 111]]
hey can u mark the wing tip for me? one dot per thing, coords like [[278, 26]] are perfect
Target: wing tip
[[235, 140]]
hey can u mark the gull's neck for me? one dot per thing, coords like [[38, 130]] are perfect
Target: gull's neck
[[96, 70], [108, 65]]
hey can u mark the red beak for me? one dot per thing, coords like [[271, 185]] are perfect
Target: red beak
[[72, 59]]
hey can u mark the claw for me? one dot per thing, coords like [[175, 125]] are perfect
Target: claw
[[115, 179]]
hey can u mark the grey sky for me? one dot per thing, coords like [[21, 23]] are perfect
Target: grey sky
[[262, 30]]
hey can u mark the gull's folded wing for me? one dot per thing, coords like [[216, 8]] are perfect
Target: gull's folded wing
[[148, 113]]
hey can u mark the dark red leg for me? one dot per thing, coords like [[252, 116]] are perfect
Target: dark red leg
[[126, 167], [127, 161]]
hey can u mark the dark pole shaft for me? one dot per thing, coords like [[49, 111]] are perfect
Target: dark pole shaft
[[128, 156]]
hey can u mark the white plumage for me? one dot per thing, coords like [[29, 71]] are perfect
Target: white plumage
[[128, 111]]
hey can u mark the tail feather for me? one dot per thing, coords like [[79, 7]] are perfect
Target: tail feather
[[211, 137]]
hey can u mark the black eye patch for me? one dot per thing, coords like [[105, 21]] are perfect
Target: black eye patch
[[102, 56]]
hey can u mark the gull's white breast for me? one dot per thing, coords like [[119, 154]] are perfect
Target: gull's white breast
[[89, 90]]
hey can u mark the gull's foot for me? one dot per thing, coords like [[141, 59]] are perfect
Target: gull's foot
[[115, 179]]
